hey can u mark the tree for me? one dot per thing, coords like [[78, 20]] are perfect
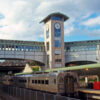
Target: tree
[[35, 68]]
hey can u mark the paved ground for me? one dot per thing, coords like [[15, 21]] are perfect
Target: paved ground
[[4, 96]]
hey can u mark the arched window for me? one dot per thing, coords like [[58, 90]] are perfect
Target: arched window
[[47, 33], [57, 32]]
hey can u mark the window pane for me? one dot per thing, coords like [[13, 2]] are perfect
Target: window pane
[[42, 81], [57, 32], [48, 61], [56, 18], [32, 81], [46, 82], [36, 81], [58, 60], [47, 33], [47, 46], [57, 43]]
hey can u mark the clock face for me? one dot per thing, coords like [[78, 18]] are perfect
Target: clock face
[[47, 27], [57, 26]]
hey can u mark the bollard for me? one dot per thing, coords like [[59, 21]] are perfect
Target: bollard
[[11, 91], [33, 95], [20, 93], [44, 95], [58, 97], [30, 95], [24, 94], [49, 96], [54, 97], [16, 91], [36, 95], [40, 96], [6, 89]]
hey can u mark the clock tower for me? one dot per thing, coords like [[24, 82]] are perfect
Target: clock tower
[[54, 40]]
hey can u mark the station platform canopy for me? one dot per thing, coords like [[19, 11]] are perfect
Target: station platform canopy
[[90, 69]]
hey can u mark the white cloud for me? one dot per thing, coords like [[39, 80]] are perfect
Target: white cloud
[[92, 21], [94, 33], [19, 22], [86, 16], [22, 16], [69, 30], [69, 27]]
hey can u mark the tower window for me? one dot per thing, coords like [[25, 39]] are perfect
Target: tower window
[[57, 32], [56, 18], [58, 60], [47, 46], [48, 61], [57, 43], [47, 32]]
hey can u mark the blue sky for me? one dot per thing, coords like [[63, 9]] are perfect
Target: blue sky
[[19, 19]]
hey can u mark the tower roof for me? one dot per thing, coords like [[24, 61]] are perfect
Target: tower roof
[[55, 14]]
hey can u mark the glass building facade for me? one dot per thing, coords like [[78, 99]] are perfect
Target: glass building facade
[[21, 46], [81, 46], [39, 46]]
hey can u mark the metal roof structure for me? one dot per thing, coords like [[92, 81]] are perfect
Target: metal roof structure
[[55, 14], [89, 66], [83, 42], [80, 69], [19, 42]]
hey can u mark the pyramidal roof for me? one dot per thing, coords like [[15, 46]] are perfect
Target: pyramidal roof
[[55, 14]]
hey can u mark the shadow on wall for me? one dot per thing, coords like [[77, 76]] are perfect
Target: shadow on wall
[[77, 63]]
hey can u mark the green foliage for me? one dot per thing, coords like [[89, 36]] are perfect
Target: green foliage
[[82, 79], [36, 68], [89, 80], [92, 80], [34, 63]]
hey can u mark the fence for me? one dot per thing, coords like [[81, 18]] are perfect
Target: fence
[[27, 94]]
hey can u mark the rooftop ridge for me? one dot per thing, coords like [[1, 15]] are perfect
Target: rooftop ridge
[[56, 14]]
